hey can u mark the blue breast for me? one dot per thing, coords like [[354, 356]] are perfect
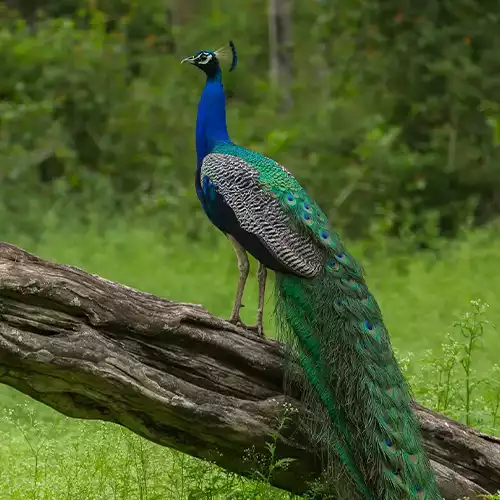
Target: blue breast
[[217, 210]]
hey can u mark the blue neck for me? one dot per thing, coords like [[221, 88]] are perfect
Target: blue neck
[[211, 121]]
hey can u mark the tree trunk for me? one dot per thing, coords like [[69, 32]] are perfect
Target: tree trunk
[[177, 375], [184, 10], [280, 49]]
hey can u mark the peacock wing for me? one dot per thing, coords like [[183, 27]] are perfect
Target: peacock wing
[[261, 212]]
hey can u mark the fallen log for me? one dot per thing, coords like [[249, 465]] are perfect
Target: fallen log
[[179, 376]]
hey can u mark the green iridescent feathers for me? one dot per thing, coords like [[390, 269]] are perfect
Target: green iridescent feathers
[[335, 329], [333, 325], [359, 405]]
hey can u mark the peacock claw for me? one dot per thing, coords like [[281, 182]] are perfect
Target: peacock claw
[[236, 320], [257, 329]]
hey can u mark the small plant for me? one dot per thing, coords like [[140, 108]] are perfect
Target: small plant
[[436, 383], [471, 326], [36, 435], [493, 396], [283, 463], [267, 465], [446, 380]]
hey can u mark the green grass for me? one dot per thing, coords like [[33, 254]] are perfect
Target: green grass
[[44, 455]]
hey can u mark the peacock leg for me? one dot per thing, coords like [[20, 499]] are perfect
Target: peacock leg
[[243, 267], [262, 275]]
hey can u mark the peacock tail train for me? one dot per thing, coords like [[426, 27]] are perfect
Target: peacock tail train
[[335, 329], [360, 407]]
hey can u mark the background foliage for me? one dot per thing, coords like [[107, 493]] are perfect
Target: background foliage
[[394, 118]]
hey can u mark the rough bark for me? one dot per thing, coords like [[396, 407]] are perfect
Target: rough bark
[[177, 375]]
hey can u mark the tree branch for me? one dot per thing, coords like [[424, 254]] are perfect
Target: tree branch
[[177, 375]]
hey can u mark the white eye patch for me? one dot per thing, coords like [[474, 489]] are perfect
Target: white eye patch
[[204, 58]]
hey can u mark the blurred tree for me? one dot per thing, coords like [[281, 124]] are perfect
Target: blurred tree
[[433, 64], [184, 10], [281, 49], [395, 109]]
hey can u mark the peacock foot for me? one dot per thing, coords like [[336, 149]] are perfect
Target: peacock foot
[[258, 328], [236, 320]]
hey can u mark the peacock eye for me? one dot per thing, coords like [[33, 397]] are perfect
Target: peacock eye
[[204, 58]]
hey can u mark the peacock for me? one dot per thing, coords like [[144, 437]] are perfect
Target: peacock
[[350, 380]]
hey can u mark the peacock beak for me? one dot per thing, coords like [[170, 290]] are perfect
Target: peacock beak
[[188, 59]]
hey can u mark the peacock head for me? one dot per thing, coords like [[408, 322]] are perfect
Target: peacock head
[[209, 61]]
